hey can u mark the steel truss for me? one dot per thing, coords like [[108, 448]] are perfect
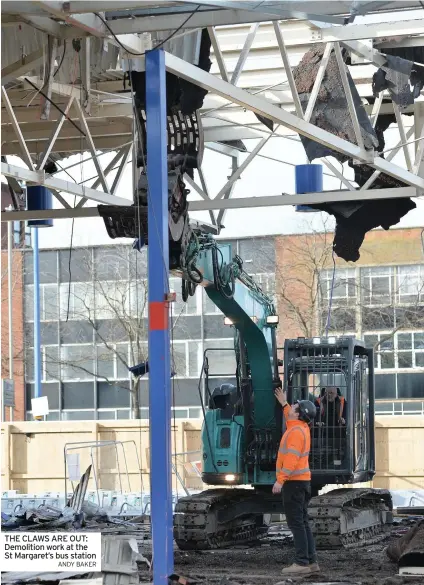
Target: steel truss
[[101, 119]]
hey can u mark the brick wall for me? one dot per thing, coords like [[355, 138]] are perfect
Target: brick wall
[[299, 257], [18, 329]]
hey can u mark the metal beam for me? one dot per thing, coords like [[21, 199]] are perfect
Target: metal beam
[[159, 337], [40, 178], [419, 146], [206, 191], [44, 24], [376, 109], [401, 43], [207, 81], [228, 194], [90, 24], [92, 148], [293, 37], [22, 145], [54, 135], [86, 74], [287, 69], [46, 103], [195, 187], [223, 148], [403, 138], [238, 203], [23, 65], [349, 97], [244, 53], [392, 154], [120, 171], [40, 132], [236, 175], [218, 54], [122, 152], [67, 145], [355, 32], [273, 10], [198, 20], [318, 80], [338, 174]]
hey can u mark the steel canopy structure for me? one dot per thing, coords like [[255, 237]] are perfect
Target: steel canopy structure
[[255, 47]]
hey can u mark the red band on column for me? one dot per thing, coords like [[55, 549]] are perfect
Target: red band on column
[[158, 316]]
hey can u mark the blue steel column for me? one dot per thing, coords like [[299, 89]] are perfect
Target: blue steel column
[[37, 337], [159, 342]]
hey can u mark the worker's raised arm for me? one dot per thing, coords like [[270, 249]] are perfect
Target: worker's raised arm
[[281, 396]]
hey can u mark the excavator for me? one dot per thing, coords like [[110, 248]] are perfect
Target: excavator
[[243, 422]]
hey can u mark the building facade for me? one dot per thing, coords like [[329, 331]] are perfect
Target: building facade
[[380, 299], [19, 242], [93, 305], [94, 321]]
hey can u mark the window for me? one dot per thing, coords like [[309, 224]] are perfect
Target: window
[[77, 300], [16, 234], [221, 357], [138, 298], [377, 285], [51, 362], [399, 351], [81, 265], [410, 284], [112, 299], [111, 263], [185, 358], [344, 289], [109, 364], [49, 302], [77, 362], [266, 281]]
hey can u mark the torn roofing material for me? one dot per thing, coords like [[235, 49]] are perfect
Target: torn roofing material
[[402, 75], [331, 110], [331, 113]]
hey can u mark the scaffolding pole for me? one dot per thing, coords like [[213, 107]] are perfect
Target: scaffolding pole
[[159, 338]]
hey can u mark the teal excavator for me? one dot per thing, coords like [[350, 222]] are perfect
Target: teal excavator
[[243, 422]]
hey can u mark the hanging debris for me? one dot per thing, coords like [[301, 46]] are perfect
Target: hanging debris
[[331, 113]]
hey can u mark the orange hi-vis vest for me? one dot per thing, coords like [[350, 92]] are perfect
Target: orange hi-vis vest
[[341, 406], [293, 454]]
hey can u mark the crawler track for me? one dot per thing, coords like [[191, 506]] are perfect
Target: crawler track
[[349, 518], [343, 518], [196, 524]]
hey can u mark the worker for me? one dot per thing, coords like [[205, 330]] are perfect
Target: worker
[[331, 407], [294, 482]]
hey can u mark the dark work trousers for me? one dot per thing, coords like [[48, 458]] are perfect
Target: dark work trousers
[[296, 496]]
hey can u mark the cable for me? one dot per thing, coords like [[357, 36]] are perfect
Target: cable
[[61, 61], [57, 107], [69, 264], [330, 302], [168, 38]]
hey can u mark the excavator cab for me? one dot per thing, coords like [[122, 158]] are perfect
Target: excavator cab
[[337, 375]]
